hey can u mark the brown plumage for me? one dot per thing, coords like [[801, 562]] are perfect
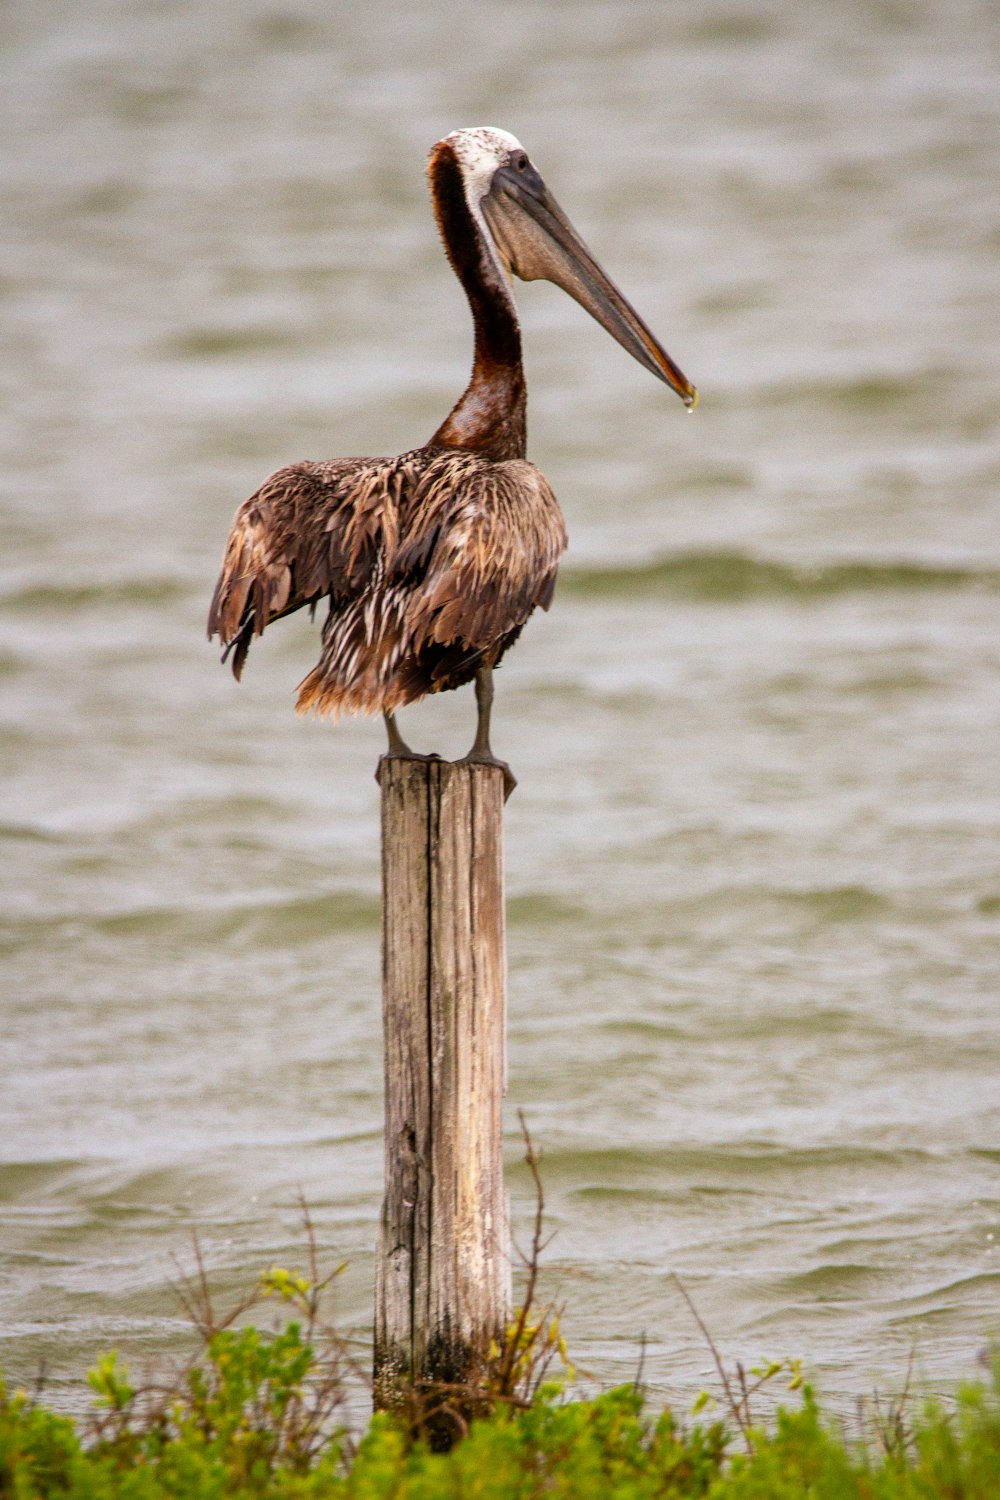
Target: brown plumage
[[431, 562]]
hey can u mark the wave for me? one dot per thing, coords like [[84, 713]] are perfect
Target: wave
[[298, 919], [53, 598], [638, 1170], [834, 903], [733, 576], [833, 1281], [720, 576]]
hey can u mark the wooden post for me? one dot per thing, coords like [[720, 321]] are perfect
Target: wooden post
[[442, 1288]]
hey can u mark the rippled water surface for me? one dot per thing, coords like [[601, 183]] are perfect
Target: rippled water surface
[[753, 865]]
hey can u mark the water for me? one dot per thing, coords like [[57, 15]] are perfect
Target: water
[[752, 861]]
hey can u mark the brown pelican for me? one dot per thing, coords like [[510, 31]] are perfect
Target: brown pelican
[[432, 561]]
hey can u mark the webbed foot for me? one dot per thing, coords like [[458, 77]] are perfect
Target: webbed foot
[[487, 758]]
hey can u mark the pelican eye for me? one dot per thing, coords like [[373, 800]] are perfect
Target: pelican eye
[[519, 161]]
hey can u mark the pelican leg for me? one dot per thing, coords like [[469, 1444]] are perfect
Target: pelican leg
[[398, 747], [481, 754]]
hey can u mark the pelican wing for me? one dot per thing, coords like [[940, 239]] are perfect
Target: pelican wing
[[494, 560], [312, 530]]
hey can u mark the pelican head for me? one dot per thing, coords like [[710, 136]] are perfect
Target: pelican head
[[533, 239]]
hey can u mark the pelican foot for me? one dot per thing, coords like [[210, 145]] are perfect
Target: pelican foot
[[485, 758], [405, 754]]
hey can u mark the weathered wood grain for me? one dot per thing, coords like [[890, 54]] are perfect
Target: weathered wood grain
[[443, 1263]]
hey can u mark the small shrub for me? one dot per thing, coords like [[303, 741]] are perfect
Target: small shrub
[[242, 1426]]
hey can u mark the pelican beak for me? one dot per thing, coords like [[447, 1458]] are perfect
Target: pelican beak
[[537, 242]]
